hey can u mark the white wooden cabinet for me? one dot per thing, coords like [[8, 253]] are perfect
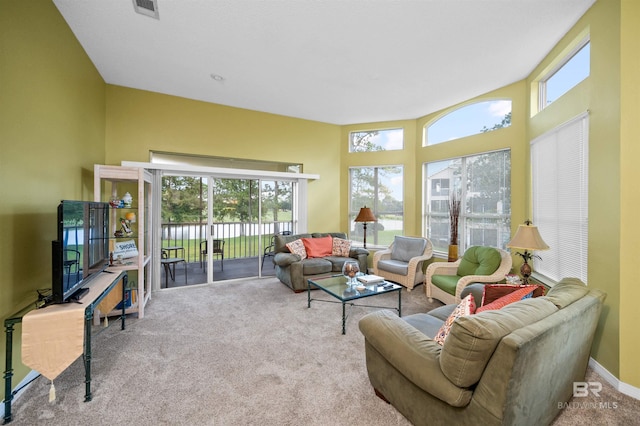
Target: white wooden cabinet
[[112, 183]]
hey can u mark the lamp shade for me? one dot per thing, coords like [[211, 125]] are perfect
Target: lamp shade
[[365, 215], [527, 238]]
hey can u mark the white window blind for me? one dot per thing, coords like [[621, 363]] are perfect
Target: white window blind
[[559, 168]]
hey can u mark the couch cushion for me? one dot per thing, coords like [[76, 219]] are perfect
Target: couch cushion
[[394, 266], [337, 262], [567, 291], [446, 283], [473, 339], [316, 265], [427, 324], [297, 247], [520, 294], [404, 248], [478, 260], [467, 306], [318, 247], [442, 312], [341, 247]]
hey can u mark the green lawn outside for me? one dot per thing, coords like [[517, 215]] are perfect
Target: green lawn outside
[[240, 247]]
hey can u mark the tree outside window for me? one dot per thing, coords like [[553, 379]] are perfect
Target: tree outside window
[[379, 188], [376, 140], [483, 183]]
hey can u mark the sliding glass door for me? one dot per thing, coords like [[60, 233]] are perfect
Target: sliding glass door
[[184, 219], [222, 227]]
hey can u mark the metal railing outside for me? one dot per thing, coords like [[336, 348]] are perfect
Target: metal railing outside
[[241, 238]]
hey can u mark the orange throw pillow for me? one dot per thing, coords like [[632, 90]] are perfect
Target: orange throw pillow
[[517, 295], [318, 247]]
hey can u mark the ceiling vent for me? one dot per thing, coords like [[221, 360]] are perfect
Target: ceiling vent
[[147, 7]]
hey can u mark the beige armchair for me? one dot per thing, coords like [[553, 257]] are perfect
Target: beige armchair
[[402, 261], [446, 280]]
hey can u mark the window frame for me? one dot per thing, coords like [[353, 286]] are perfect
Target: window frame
[[382, 149], [465, 229], [497, 126], [373, 203], [542, 83]]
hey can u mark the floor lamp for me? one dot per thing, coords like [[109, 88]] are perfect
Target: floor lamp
[[527, 238], [365, 215]]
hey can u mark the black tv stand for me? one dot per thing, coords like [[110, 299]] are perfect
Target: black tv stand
[[75, 297]]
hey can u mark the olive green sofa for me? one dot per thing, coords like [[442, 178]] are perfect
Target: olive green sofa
[[294, 272], [513, 366]]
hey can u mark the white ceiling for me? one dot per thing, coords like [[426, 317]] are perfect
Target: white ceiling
[[334, 61]]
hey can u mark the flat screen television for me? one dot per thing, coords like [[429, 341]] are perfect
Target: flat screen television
[[81, 249]]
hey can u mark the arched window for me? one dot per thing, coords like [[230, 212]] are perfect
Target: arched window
[[479, 117]]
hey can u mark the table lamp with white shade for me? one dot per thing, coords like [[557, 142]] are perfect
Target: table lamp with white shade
[[527, 238]]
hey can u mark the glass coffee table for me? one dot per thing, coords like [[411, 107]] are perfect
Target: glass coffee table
[[337, 287]]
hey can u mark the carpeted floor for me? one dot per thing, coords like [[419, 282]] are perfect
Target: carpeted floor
[[240, 353]]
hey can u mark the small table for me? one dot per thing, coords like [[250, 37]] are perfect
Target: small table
[[337, 287], [176, 249], [169, 263]]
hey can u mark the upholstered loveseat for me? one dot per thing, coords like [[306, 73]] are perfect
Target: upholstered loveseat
[[294, 269], [512, 366]]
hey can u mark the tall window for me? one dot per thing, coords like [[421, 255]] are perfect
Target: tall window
[[379, 188], [559, 171], [376, 140], [571, 71], [479, 117], [483, 183]]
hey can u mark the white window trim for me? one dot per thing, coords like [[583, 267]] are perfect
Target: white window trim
[[542, 84]]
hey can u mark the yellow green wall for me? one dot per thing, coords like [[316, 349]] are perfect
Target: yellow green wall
[[600, 94], [404, 158], [139, 122], [630, 201], [52, 123], [58, 118]]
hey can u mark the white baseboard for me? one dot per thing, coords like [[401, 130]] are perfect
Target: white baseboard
[[621, 387], [23, 385]]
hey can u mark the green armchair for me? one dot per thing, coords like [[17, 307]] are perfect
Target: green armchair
[[446, 280]]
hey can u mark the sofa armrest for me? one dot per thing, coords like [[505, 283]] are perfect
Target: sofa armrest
[[443, 268], [380, 255], [416, 261], [413, 354], [285, 259], [357, 251], [440, 268], [497, 276]]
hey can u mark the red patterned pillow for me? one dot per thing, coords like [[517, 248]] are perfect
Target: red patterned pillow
[[341, 247], [318, 247], [517, 295], [467, 306], [493, 292], [297, 247]]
